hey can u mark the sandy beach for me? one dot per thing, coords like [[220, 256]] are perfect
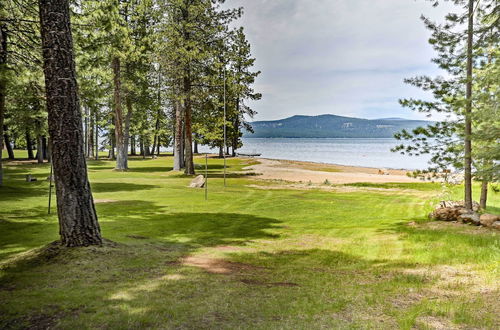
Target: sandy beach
[[298, 171]]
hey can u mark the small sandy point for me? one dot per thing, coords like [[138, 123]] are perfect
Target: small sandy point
[[293, 171]]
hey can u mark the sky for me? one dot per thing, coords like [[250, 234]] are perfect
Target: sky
[[342, 57]]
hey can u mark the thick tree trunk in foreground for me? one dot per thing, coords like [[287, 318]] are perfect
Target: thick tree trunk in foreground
[[121, 153], [3, 88], [484, 194], [78, 225], [179, 137], [468, 112]]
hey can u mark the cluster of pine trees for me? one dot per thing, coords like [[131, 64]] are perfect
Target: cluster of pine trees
[[151, 74], [468, 49]]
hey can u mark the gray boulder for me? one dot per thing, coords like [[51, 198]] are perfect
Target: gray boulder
[[496, 225], [472, 218], [488, 220], [198, 182]]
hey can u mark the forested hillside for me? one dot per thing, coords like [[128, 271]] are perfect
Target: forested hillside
[[331, 126]]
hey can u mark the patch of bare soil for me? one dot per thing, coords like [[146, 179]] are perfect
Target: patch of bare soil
[[219, 266], [42, 321], [437, 323], [446, 225]]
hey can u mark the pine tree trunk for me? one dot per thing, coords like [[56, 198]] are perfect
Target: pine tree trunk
[[8, 145], [178, 154], [78, 225], [196, 147], [468, 111], [39, 149], [147, 150], [141, 147], [484, 194], [44, 147], [133, 152], [29, 145], [121, 153], [221, 151], [3, 87], [90, 151], [96, 137], [126, 133], [49, 151], [188, 133]]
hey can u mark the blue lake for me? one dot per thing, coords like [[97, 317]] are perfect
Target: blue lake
[[357, 152]]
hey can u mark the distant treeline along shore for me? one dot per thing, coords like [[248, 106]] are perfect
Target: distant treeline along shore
[[332, 126]]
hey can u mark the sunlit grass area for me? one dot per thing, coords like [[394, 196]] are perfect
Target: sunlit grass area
[[249, 257]]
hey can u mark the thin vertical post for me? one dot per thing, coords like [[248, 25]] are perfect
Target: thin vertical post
[[206, 176], [50, 186], [224, 151]]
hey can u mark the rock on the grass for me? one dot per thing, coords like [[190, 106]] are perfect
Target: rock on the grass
[[496, 225], [488, 220], [447, 213], [460, 204], [198, 182], [472, 218]]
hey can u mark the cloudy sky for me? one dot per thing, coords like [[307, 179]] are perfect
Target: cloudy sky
[[344, 57]]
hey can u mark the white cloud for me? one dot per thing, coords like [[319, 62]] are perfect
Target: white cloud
[[346, 57]]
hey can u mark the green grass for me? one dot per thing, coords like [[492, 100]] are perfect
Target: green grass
[[246, 258]]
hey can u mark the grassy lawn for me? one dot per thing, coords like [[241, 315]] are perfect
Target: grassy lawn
[[247, 258]]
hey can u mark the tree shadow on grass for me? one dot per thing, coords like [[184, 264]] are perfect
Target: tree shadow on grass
[[149, 169], [148, 220], [106, 187], [21, 191], [126, 280]]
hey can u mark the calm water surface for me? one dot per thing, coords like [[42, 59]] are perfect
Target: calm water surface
[[356, 152]]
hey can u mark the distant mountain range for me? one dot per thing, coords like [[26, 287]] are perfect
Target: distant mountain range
[[332, 126]]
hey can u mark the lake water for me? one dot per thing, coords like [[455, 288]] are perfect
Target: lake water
[[357, 152]]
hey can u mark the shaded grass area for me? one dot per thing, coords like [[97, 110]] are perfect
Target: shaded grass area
[[246, 258]]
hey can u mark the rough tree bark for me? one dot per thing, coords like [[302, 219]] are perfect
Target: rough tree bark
[[178, 150], [3, 88], [39, 149], [121, 153], [90, 151], [78, 225], [8, 145], [133, 152], [188, 133], [29, 145], [484, 194], [96, 136], [468, 111]]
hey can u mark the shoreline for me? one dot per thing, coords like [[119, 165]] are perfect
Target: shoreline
[[334, 164], [305, 171]]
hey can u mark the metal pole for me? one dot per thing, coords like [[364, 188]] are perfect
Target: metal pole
[[50, 186], [224, 151], [206, 176]]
